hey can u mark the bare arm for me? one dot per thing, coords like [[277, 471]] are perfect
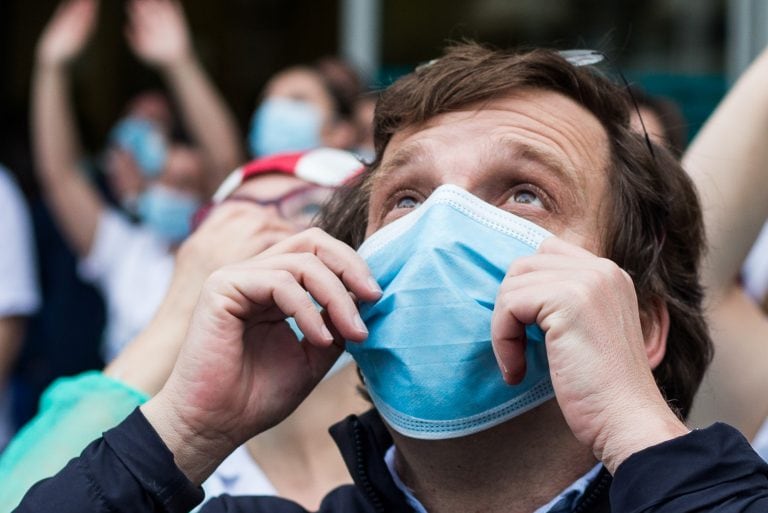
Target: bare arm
[[159, 35], [56, 147], [727, 160], [736, 384]]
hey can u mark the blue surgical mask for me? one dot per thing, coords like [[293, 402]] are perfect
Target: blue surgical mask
[[428, 362], [144, 141], [167, 212], [281, 125]]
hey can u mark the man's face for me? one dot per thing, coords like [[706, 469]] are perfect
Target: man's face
[[536, 154]]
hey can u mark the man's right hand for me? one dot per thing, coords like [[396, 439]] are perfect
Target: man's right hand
[[242, 369], [67, 32]]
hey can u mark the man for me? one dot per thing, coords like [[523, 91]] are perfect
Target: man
[[503, 153]]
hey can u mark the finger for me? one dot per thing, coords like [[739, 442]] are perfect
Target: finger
[[326, 288], [508, 341], [531, 278], [556, 245], [255, 291], [337, 256]]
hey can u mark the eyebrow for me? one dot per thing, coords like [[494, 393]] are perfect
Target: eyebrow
[[501, 149], [563, 169], [408, 155]]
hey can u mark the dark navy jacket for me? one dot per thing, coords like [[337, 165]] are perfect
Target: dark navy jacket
[[131, 470]]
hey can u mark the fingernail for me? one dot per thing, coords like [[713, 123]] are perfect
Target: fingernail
[[326, 334], [374, 285], [360, 325]]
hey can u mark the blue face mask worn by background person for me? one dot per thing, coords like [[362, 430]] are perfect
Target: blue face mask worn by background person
[[145, 142], [167, 212], [284, 125], [428, 363]]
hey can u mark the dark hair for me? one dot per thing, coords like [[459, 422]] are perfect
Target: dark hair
[[669, 115], [653, 226]]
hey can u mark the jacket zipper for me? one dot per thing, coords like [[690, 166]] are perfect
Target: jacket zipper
[[360, 469], [597, 492]]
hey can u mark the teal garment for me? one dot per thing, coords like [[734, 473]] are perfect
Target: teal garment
[[74, 411]]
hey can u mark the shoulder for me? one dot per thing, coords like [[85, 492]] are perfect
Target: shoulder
[[344, 499]]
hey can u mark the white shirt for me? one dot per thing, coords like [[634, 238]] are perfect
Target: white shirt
[[755, 270], [239, 474], [132, 267], [570, 494], [19, 291], [760, 442]]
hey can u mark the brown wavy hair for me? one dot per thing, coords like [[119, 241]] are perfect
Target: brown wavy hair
[[653, 226]]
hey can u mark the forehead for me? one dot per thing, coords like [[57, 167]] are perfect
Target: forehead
[[531, 137], [299, 84], [269, 186], [537, 122]]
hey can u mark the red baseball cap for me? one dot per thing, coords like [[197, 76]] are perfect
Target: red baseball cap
[[327, 167]]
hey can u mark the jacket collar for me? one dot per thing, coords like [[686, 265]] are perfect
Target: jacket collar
[[363, 440]]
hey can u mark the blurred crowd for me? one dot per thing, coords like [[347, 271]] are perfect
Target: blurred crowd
[[178, 192]]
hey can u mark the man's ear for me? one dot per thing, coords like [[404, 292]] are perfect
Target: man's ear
[[655, 332], [340, 134]]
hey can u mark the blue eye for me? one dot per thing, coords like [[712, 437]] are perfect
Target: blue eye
[[527, 197], [407, 202]]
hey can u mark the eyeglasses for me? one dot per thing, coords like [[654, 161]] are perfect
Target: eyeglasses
[[298, 206], [585, 57]]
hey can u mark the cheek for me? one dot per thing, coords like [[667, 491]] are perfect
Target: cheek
[[585, 236]]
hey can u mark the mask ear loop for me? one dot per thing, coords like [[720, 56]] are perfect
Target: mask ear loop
[[579, 58]]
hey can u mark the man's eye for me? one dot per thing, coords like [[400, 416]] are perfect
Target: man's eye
[[527, 197], [407, 202]]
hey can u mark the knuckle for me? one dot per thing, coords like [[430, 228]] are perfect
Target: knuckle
[[315, 232], [282, 278]]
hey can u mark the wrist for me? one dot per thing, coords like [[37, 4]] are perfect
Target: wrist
[[179, 66], [196, 453], [635, 428]]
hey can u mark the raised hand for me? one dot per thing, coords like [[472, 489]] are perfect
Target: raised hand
[[157, 31], [67, 32], [600, 361], [242, 369]]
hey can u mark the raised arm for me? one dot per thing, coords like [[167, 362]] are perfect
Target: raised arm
[[727, 160], [56, 146], [158, 34]]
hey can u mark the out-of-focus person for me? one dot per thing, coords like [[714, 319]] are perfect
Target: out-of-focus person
[[300, 109], [19, 291], [159, 181], [364, 109], [662, 120], [260, 204], [727, 161]]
